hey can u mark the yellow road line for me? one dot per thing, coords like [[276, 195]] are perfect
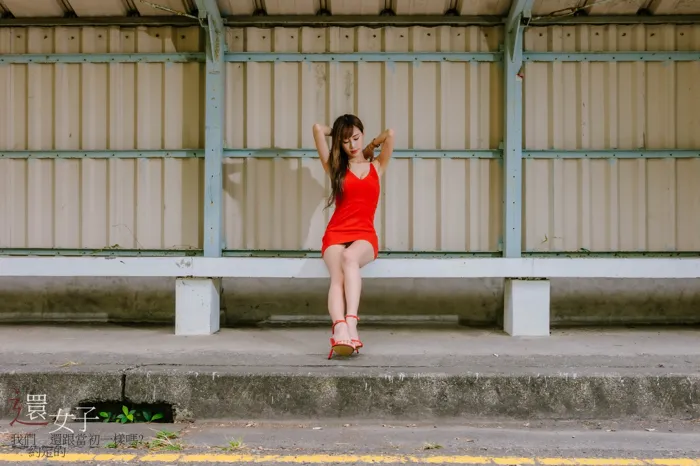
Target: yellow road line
[[329, 458]]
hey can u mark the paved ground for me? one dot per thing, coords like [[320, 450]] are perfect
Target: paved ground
[[384, 347], [666, 443], [401, 373], [629, 371]]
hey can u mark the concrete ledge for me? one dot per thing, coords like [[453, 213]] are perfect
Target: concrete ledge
[[251, 267], [200, 392], [413, 373], [393, 394]]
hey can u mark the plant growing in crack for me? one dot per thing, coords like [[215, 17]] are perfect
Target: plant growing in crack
[[130, 415]]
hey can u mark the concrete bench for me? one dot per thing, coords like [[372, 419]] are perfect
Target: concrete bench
[[527, 287]]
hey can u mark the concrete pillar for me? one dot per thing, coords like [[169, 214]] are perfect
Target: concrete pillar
[[526, 310], [197, 306]]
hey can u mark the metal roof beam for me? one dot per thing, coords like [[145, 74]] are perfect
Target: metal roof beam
[[519, 10], [372, 21]]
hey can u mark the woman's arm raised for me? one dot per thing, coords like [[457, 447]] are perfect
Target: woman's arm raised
[[320, 133], [386, 140]]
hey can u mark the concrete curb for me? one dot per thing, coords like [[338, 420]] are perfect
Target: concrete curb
[[198, 393]]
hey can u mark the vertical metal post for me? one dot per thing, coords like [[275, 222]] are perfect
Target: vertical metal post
[[214, 123], [513, 129]]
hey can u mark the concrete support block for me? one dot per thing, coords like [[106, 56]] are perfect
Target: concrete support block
[[197, 306], [526, 310]]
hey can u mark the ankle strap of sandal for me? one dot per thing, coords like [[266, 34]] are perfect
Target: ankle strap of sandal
[[352, 316], [342, 321]]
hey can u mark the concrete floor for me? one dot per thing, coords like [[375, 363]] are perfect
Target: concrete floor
[[298, 346]]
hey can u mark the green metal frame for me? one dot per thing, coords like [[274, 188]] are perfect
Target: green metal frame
[[610, 56], [373, 57], [214, 123], [513, 128], [291, 254], [312, 154]]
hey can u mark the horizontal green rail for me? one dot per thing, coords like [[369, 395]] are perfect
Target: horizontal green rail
[[398, 153], [112, 252], [611, 154], [311, 153], [610, 56], [359, 57], [79, 58], [106, 252], [102, 154], [375, 57]]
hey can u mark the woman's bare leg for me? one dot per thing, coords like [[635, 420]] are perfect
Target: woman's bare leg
[[356, 256], [333, 257]]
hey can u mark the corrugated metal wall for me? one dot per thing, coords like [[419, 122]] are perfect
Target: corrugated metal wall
[[426, 205], [612, 205], [145, 203]]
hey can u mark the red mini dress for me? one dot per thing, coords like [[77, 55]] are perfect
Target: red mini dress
[[353, 218]]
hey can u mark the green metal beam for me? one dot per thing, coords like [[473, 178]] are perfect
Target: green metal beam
[[606, 20], [360, 57], [312, 154], [101, 154], [397, 154], [611, 154], [513, 127], [115, 252], [80, 58], [370, 57], [611, 56], [214, 124]]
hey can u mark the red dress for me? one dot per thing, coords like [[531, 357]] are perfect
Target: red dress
[[353, 218]]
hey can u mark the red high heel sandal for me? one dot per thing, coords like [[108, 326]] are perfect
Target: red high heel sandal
[[358, 344], [341, 349]]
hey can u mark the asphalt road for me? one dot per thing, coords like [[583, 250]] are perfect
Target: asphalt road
[[666, 443]]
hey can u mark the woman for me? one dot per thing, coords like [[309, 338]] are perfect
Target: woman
[[350, 241]]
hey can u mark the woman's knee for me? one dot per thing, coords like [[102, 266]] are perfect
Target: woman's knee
[[349, 261]]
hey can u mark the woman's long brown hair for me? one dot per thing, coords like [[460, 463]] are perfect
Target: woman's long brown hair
[[338, 162]]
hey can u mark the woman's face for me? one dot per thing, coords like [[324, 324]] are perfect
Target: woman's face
[[354, 144]]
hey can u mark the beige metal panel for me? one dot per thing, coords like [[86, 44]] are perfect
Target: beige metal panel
[[86, 8], [28, 8], [64, 203], [611, 205], [617, 7], [147, 10], [485, 7], [675, 7], [432, 205], [356, 7], [291, 7], [422, 7], [13, 135], [546, 7], [236, 7]]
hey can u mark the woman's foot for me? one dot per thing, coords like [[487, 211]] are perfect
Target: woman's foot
[[352, 321], [341, 343], [341, 333]]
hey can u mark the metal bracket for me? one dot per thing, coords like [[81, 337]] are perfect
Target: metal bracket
[[210, 19], [519, 17]]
